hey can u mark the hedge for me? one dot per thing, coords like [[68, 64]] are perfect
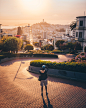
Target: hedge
[[45, 55], [57, 52], [9, 55], [69, 66]]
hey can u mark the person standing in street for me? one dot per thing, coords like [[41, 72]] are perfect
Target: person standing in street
[[43, 78]]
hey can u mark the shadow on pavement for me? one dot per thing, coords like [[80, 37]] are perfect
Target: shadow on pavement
[[7, 63], [24, 78], [36, 75], [49, 105], [66, 81], [18, 70]]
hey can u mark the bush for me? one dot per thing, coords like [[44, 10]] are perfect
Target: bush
[[2, 56], [48, 47], [36, 44], [28, 47], [1, 45], [57, 52], [45, 55], [58, 43], [9, 55], [29, 54], [83, 58], [73, 52], [70, 66]]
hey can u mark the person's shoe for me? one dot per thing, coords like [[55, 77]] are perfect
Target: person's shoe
[[42, 94], [46, 93]]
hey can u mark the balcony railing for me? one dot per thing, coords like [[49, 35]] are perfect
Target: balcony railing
[[80, 28], [80, 39]]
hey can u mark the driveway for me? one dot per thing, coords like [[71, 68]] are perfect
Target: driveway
[[21, 89]]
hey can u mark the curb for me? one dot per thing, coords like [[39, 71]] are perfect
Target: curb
[[52, 72], [60, 73]]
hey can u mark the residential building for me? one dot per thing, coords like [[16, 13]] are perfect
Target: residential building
[[70, 33], [19, 32], [44, 35], [10, 31], [7, 35], [74, 32], [81, 30], [0, 32], [24, 37]]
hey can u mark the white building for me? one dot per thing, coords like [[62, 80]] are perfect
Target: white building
[[74, 32], [70, 33], [81, 30]]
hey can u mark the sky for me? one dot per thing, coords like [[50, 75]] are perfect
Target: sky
[[14, 12]]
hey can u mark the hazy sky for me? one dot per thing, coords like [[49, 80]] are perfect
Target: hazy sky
[[61, 11]]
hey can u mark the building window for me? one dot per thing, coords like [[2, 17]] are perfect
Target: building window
[[81, 23], [76, 34], [80, 34]]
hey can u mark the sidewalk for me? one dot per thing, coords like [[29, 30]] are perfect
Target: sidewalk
[[21, 89]]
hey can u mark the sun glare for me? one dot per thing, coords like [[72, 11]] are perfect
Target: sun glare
[[33, 6]]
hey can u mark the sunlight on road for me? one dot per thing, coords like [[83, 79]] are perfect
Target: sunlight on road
[[61, 58]]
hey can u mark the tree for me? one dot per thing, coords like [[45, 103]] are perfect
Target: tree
[[28, 47], [4, 38], [62, 47], [59, 42], [36, 43], [70, 46], [1, 45], [85, 49], [12, 44], [77, 46], [27, 42], [73, 25], [48, 47], [2, 42], [20, 44]]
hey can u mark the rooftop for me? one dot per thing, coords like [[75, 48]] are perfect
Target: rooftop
[[81, 17]]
